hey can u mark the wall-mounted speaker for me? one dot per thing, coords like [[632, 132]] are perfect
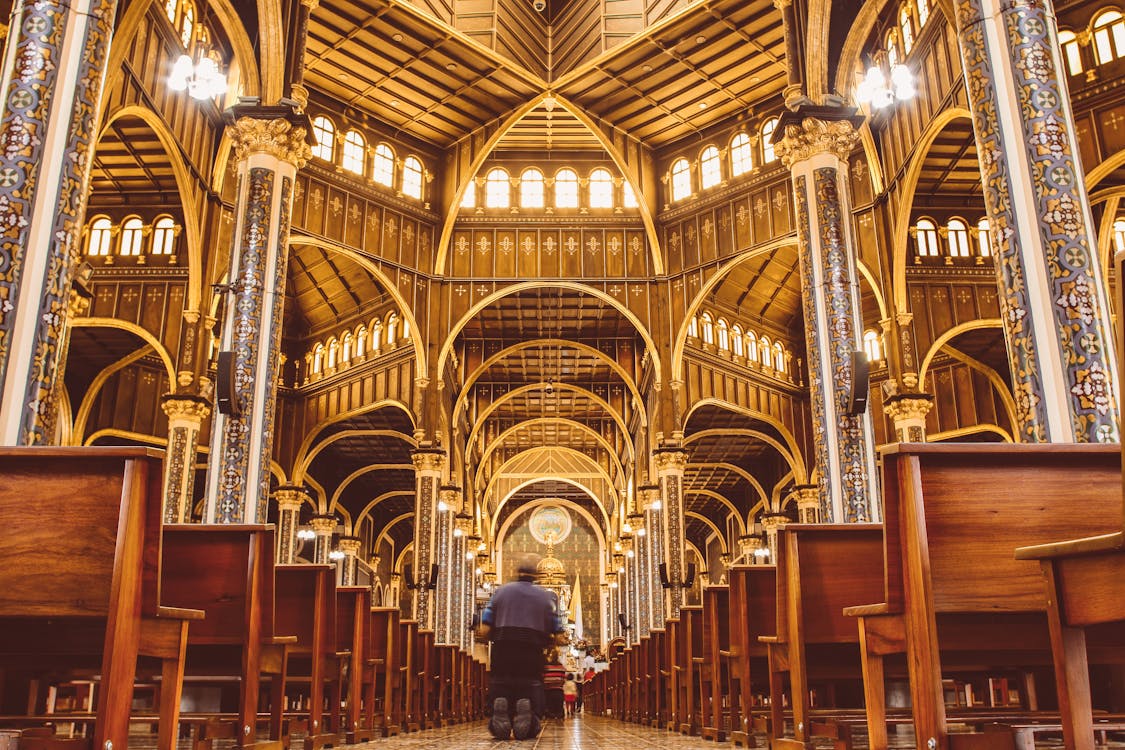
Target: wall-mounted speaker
[[225, 396], [860, 385], [623, 622]]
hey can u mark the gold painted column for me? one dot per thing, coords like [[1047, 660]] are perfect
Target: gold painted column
[[349, 564], [649, 496], [429, 464], [269, 147], [815, 148], [771, 524], [908, 414], [445, 612], [186, 413], [324, 527], [670, 465], [808, 503], [51, 82], [462, 576], [289, 498]]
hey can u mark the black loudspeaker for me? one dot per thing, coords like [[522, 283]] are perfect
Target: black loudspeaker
[[622, 621], [225, 396], [861, 384], [662, 569], [432, 583], [690, 580]]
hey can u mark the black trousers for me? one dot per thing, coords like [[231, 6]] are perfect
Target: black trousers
[[515, 688]]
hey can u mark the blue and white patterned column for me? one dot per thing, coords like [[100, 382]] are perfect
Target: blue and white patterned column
[[268, 153], [461, 577], [289, 499], [445, 609], [816, 152], [186, 413], [1052, 289], [654, 542], [323, 528], [52, 79], [641, 563], [428, 466], [670, 465]]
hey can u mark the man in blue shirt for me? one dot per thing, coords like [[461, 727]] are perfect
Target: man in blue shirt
[[521, 620]]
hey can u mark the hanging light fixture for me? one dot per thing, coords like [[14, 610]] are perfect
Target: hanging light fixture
[[875, 89], [202, 80]]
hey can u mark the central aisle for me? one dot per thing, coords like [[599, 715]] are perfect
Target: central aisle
[[585, 733]]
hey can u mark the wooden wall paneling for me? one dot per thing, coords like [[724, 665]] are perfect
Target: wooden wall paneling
[[758, 217], [965, 395], [940, 307], [571, 246], [691, 240], [621, 19], [315, 218], [521, 34], [576, 35], [354, 215], [780, 220], [461, 243], [616, 242], [505, 253]]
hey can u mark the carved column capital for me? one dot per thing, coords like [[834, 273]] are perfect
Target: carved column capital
[[649, 496], [291, 497], [428, 460], [669, 459], [908, 406], [814, 136], [185, 407], [277, 137], [771, 522], [323, 525], [349, 545], [807, 499]]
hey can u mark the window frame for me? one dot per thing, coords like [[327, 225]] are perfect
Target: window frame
[[680, 172], [497, 188], [163, 236], [324, 149], [710, 168], [769, 152], [130, 242], [413, 173], [349, 158], [602, 196], [568, 177], [741, 154], [383, 165], [529, 198], [102, 229]]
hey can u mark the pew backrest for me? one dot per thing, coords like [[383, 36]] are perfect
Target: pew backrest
[[306, 606]]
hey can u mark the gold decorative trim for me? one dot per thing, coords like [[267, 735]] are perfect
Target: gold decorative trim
[[815, 136], [428, 460], [187, 408], [278, 138], [670, 459], [289, 498], [912, 407]]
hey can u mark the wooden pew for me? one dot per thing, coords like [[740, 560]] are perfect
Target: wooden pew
[[227, 572], [821, 569], [408, 652], [80, 583], [355, 634], [386, 644], [955, 594], [306, 607], [426, 677], [753, 614], [689, 650], [660, 676], [714, 672]]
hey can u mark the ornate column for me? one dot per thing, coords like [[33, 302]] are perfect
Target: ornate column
[[614, 604], [654, 535], [289, 498], [606, 633], [640, 563], [186, 413], [771, 524], [1052, 288], [349, 565], [908, 413], [816, 149], [323, 527], [445, 612], [52, 78], [461, 577], [670, 464], [269, 147], [428, 466], [794, 84], [631, 599], [808, 503]]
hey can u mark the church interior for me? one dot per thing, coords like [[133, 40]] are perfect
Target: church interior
[[786, 332]]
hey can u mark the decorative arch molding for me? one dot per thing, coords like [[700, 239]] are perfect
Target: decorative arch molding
[[307, 442], [546, 477], [89, 398], [974, 430], [407, 549], [794, 451], [477, 373], [677, 364], [385, 496], [750, 478], [486, 150], [900, 247], [1110, 165], [1001, 386], [384, 533], [725, 502], [952, 333], [184, 184], [585, 429], [507, 291], [380, 275], [743, 432], [580, 457], [710, 523], [873, 285], [526, 508], [334, 501], [136, 437], [315, 451], [136, 330], [816, 49], [483, 417]]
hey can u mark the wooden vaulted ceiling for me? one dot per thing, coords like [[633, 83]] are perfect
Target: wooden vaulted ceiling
[[766, 287], [131, 168], [324, 288], [950, 176]]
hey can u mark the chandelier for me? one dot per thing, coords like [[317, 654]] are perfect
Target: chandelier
[[877, 91], [202, 80]]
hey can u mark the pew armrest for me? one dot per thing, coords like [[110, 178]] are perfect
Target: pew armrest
[[1073, 547], [869, 610], [180, 613], [281, 640], [768, 639]]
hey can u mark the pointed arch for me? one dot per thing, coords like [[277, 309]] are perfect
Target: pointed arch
[[499, 534], [136, 330], [306, 444], [794, 450], [385, 496], [952, 333], [498, 441], [485, 495], [724, 501], [344, 435], [333, 502], [493, 531], [709, 522], [393, 522], [90, 397]]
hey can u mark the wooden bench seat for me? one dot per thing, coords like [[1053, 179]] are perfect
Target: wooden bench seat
[[354, 636], [753, 615], [386, 645]]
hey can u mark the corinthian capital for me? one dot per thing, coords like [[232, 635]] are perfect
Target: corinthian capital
[[276, 137], [428, 460], [669, 459], [815, 136]]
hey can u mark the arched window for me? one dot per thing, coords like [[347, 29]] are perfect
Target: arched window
[[405, 328], [892, 49], [346, 348], [958, 238], [469, 199], [736, 344], [187, 25], [377, 336], [1069, 43], [601, 189], [412, 178], [708, 329], [710, 173], [768, 154], [164, 236], [355, 149], [778, 356], [693, 327], [360, 341], [532, 190], [628, 197], [923, 7], [101, 231], [325, 133], [873, 346], [384, 166], [1109, 36], [681, 179], [1119, 235], [318, 359], [497, 189], [741, 155], [566, 189], [751, 346], [333, 353], [764, 351], [170, 10], [926, 237], [984, 238], [392, 327], [724, 334], [906, 26], [132, 236]]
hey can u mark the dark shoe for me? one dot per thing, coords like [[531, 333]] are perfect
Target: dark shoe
[[500, 725], [526, 724]]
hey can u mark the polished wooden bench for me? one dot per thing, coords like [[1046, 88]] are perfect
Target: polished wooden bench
[[407, 653], [386, 646], [689, 653], [714, 674], [753, 614], [80, 583], [227, 571], [955, 595], [354, 634]]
